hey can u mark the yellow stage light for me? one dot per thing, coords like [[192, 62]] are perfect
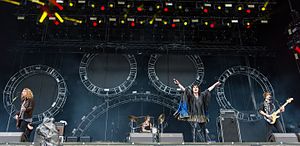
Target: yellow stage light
[[58, 17], [44, 15]]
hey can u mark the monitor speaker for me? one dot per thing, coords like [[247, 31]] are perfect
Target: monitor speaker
[[283, 137], [10, 137], [141, 137], [85, 139], [171, 137], [72, 139]]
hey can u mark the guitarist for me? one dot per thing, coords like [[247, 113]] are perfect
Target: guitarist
[[24, 116], [266, 109]]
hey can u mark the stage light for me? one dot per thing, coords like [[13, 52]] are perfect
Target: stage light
[[158, 19], [130, 5], [263, 8], [71, 4], [121, 2], [81, 1], [122, 21], [44, 15], [132, 24], [186, 10], [158, 6], [205, 10], [112, 19], [56, 22], [93, 5], [179, 6], [234, 21], [73, 20], [207, 5], [93, 18], [130, 19], [251, 6], [12, 2], [165, 22], [195, 20], [239, 7], [151, 22], [228, 5], [169, 4], [59, 1], [166, 9], [20, 17], [248, 11], [59, 17], [100, 21], [37, 2], [111, 5], [139, 9], [219, 7], [95, 23], [206, 23], [185, 23], [102, 8], [297, 49], [142, 22], [212, 25], [173, 25], [264, 21], [176, 20]]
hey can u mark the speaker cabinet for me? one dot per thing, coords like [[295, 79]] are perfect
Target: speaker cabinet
[[229, 129], [85, 139], [171, 137], [10, 137], [141, 137], [283, 137], [72, 139]]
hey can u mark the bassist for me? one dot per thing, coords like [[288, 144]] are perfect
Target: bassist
[[266, 109]]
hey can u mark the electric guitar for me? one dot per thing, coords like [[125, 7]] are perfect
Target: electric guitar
[[274, 115]]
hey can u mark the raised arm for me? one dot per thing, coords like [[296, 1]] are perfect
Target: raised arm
[[213, 86], [178, 84]]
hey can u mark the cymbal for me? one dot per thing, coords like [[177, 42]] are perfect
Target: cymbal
[[132, 118], [161, 118]]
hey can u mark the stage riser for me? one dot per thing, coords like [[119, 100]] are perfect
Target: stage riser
[[160, 144]]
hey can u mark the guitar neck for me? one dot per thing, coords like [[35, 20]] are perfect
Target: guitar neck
[[286, 103]]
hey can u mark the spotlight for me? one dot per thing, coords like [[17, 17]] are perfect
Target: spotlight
[[111, 5], [173, 25], [139, 9], [248, 11], [102, 8], [185, 23], [205, 10], [56, 22], [94, 23], [132, 24], [212, 25], [166, 9], [297, 48], [44, 15], [165, 22], [239, 7], [158, 6], [71, 4]]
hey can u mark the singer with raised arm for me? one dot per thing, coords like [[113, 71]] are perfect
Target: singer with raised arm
[[24, 116], [197, 103], [266, 109]]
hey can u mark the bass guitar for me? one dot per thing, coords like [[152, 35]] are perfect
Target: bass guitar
[[275, 115]]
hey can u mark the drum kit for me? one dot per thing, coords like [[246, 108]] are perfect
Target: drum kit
[[135, 127]]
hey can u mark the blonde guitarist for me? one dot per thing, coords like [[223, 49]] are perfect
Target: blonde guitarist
[[24, 116], [266, 109]]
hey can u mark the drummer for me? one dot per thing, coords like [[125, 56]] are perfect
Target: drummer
[[146, 125]]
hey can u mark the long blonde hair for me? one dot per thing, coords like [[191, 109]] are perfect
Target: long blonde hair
[[28, 94]]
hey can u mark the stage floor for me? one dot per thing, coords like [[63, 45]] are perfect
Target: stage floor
[[160, 144]]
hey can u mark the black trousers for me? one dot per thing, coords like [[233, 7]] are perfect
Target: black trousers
[[199, 127], [277, 126], [26, 132]]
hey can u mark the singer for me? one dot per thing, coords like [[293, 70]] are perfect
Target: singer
[[197, 106], [24, 116]]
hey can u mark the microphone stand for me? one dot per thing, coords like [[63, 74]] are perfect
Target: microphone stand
[[10, 113]]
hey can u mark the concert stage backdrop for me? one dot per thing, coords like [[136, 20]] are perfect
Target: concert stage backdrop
[[95, 93]]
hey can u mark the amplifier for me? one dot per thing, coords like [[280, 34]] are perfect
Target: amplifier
[[10, 137], [171, 137]]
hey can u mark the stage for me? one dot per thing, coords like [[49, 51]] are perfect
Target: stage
[[161, 144]]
